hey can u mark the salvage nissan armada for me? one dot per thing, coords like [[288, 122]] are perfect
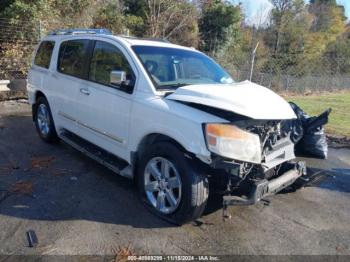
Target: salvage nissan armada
[[165, 115]]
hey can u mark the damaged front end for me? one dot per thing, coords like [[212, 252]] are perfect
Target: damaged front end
[[246, 183], [252, 149]]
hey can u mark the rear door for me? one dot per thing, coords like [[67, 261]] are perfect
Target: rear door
[[66, 81], [103, 108]]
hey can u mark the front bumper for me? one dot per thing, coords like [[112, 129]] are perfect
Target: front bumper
[[263, 188]]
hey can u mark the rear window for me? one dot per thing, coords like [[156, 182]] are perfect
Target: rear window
[[44, 53], [73, 58]]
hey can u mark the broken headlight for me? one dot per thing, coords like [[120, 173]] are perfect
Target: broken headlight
[[232, 142]]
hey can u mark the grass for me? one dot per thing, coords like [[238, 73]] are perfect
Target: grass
[[315, 104]]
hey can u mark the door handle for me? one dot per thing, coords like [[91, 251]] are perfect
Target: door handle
[[85, 91]]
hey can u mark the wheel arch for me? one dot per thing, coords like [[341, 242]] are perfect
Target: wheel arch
[[151, 139], [37, 95]]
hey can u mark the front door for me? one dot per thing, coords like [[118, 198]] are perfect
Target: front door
[[104, 108]]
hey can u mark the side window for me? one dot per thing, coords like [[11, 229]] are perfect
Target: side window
[[44, 53], [73, 57], [106, 58]]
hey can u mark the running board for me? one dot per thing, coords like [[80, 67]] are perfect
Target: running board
[[98, 154]]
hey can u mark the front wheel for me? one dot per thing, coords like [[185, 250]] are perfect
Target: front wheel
[[169, 185]]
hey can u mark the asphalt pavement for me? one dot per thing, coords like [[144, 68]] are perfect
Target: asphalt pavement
[[78, 207]]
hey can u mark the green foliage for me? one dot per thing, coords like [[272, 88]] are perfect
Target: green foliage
[[110, 16], [219, 21], [324, 2], [338, 53], [23, 10], [135, 12]]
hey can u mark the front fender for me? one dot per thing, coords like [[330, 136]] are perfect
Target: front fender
[[177, 121]]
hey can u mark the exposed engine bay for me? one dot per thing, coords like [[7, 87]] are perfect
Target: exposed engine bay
[[277, 154], [276, 144]]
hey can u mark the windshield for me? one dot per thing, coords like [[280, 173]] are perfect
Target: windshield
[[171, 67]]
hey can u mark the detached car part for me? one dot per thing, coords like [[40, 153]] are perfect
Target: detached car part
[[308, 133]]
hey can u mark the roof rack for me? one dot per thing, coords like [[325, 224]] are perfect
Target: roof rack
[[149, 39], [78, 31]]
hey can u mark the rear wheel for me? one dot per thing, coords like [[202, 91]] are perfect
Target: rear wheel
[[44, 121], [169, 185]]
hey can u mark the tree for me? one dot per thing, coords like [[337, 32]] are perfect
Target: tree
[[329, 17], [289, 27], [110, 16], [337, 55], [219, 20], [328, 25], [167, 18], [18, 11], [135, 12], [284, 17]]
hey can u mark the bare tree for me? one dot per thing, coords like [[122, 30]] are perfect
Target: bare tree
[[167, 17]]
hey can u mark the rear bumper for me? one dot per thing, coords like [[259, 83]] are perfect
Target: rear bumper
[[263, 188]]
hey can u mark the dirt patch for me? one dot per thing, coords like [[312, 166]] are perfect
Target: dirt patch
[[60, 172], [41, 161], [22, 187]]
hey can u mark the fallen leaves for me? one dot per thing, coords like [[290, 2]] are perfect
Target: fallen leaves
[[41, 161], [22, 187], [122, 253], [60, 172], [340, 248]]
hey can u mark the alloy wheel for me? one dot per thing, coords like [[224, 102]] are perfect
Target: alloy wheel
[[162, 184]]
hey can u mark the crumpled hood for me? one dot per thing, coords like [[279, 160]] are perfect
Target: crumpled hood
[[244, 98]]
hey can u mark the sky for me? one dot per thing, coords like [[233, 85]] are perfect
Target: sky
[[258, 10]]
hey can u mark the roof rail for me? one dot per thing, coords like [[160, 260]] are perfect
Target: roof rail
[[149, 39], [78, 31]]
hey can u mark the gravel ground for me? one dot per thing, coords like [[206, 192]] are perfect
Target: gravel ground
[[78, 207]]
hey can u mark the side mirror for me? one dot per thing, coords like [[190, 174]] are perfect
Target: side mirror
[[117, 78]]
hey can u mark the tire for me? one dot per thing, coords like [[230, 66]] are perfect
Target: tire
[[44, 123], [193, 189]]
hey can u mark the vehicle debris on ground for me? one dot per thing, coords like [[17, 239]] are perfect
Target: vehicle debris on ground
[[308, 133], [32, 238]]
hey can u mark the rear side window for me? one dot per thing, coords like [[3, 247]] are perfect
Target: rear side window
[[73, 58], [44, 53]]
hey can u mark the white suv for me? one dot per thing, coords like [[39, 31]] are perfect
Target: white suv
[[165, 115]]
